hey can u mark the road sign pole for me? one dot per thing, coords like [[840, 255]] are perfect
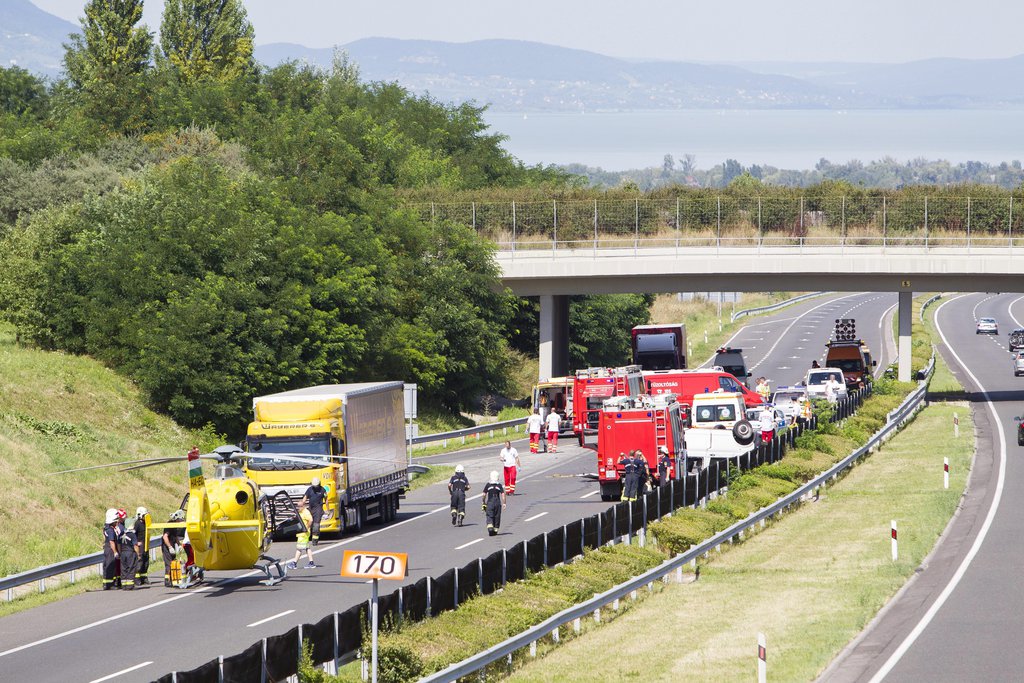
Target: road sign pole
[[373, 625]]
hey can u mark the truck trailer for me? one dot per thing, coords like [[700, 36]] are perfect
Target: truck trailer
[[358, 428]]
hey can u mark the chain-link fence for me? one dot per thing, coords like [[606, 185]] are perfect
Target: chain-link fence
[[727, 220]]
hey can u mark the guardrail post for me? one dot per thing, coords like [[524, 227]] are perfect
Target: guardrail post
[[576, 625], [533, 648], [42, 585]]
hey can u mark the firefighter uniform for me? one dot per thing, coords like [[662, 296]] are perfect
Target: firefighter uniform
[[493, 494], [142, 545], [457, 486], [169, 543], [316, 496], [129, 560], [643, 472], [111, 554], [630, 478]]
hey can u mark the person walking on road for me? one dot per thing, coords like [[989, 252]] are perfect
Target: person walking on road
[[457, 487], [494, 503], [170, 547], [314, 499], [510, 462], [766, 422], [630, 478], [141, 529], [111, 549], [534, 425], [553, 425], [302, 541]]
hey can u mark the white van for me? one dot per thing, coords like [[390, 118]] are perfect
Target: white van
[[816, 379]]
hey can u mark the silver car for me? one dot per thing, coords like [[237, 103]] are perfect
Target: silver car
[[1018, 363], [987, 326]]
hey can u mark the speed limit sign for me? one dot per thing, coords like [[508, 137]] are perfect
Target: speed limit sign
[[366, 564]]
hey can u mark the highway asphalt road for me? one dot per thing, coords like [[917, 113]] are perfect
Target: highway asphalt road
[[962, 616], [147, 633]]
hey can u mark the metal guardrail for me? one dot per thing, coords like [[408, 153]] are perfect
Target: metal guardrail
[[41, 574], [773, 307], [469, 431], [928, 303], [505, 649]]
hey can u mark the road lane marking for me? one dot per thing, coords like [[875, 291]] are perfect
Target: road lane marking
[[782, 335], [908, 642], [263, 621], [466, 545], [588, 495], [231, 579], [122, 672], [530, 519]]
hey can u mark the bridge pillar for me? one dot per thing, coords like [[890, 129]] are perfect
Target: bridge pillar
[[554, 335], [906, 320]]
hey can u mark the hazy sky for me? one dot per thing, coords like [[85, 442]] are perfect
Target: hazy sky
[[741, 30]]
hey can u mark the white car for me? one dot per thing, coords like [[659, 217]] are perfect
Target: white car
[[817, 384], [1018, 363], [987, 326], [787, 399]]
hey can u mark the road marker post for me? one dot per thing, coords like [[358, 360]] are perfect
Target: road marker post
[[956, 425], [945, 473], [762, 658], [366, 564], [895, 550]]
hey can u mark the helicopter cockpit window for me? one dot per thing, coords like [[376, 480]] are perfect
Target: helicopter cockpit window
[[317, 447]]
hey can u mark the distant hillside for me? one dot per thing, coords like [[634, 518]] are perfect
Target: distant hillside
[[519, 75], [31, 38]]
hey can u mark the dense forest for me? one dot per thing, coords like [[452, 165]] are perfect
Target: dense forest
[[216, 229]]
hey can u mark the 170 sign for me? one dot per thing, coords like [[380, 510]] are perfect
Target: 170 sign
[[365, 564]]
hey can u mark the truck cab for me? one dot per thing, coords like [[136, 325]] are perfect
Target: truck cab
[[850, 357], [659, 347], [731, 360], [590, 389]]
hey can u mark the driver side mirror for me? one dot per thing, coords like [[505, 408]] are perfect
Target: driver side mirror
[[874, 363]]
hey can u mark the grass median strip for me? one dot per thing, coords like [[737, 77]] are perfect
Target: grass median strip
[[810, 583]]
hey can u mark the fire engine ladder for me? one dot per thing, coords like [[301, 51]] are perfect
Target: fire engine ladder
[[621, 384], [660, 428]]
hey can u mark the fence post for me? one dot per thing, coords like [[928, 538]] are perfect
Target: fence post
[[336, 653], [968, 225], [595, 227], [554, 224], [456, 588], [926, 221], [565, 546], [636, 225], [430, 610], [474, 216], [760, 229], [801, 216], [885, 221], [513, 225], [480, 574], [546, 551], [504, 566], [843, 210], [526, 563], [1009, 224], [263, 656], [719, 222]]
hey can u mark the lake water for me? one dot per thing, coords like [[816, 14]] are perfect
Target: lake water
[[794, 139]]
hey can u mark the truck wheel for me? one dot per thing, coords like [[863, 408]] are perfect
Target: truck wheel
[[743, 432], [610, 492]]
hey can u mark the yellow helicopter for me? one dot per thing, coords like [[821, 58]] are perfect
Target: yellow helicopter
[[228, 521]]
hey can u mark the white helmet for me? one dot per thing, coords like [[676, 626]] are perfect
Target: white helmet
[[141, 512], [111, 515], [460, 469], [316, 481], [178, 516], [494, 477]]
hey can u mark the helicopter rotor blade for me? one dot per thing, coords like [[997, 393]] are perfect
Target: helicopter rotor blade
[[153, 461]]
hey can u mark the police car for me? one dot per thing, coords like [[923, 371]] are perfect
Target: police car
[[781, 421]]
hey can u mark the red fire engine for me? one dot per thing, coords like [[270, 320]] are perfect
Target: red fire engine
[[592, 386], [642, 422]]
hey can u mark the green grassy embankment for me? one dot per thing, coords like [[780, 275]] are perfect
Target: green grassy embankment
[[58, 412]]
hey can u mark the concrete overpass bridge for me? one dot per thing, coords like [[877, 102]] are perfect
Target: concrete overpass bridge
[[555, 273]]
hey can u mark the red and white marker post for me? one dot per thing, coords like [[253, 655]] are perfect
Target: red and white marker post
[[895, 550], [945, 473], [762, 659]]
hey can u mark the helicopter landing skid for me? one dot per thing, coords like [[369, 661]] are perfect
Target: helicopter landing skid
[[271, 580]]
